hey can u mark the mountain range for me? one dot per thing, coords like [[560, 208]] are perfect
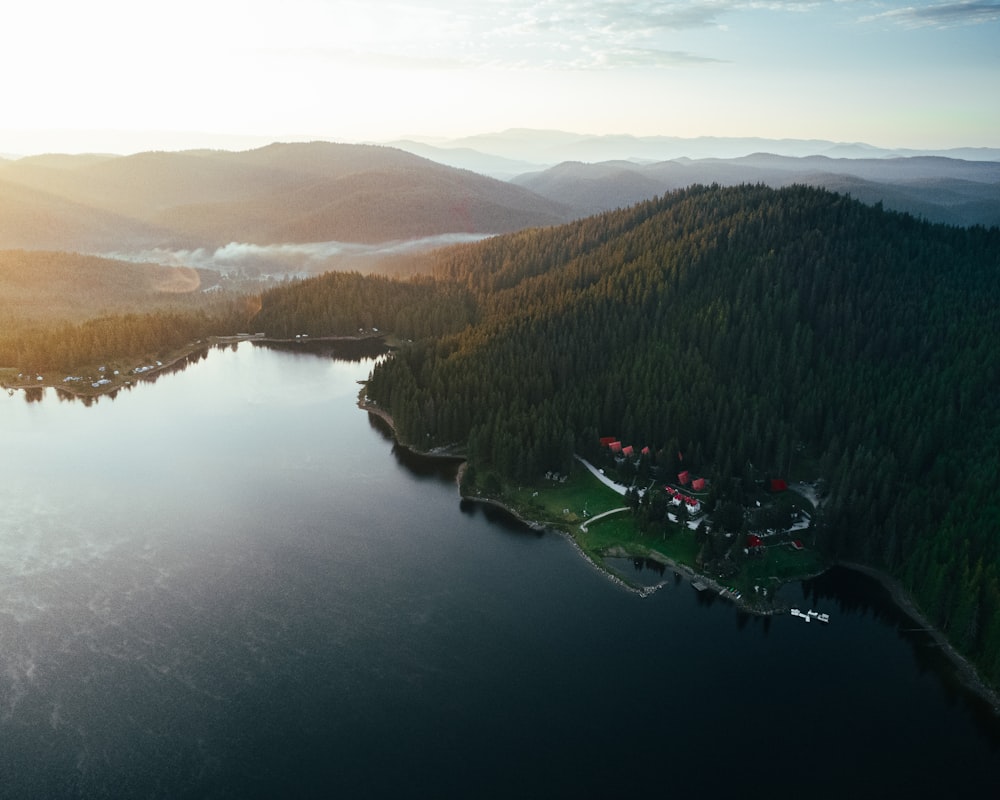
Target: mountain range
[[322, 192], [949, 190], [517, 150], [302, 192]]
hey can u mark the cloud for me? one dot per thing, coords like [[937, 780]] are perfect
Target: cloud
[[299, 259], [943, 15]]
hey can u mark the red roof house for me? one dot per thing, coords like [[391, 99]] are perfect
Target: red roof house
[[628, 451], [606, 440], [698, 484], [683, 477], [616, 447], [778, 485]]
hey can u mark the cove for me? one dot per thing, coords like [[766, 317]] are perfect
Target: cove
[[232, 583]]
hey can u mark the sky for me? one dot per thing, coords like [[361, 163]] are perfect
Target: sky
[[121, 76]]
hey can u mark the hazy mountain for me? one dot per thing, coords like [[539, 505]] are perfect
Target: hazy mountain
[[939, 189], [468, 158], [548, 147], [34, 218], [305, 192]]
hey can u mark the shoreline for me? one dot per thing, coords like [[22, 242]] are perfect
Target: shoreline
[[84, 389], [536, 525], [965, 672]]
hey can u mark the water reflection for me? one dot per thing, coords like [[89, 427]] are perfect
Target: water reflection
[[499, 518], [856, 593], [352, 350], [146, 373]]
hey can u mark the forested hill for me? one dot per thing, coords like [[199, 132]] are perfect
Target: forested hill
[[760, 332]]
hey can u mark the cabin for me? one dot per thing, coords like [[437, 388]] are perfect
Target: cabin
[[698, 485], [683, 477]]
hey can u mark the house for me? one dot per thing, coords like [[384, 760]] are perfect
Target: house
[[683, 477], [628, 451], [778, 485], [698, 485]]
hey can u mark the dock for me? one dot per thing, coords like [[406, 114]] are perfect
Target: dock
[[810, 615]]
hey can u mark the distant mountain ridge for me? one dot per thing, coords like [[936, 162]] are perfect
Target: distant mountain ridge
[[938, 189], [546, 148], [302, 192]]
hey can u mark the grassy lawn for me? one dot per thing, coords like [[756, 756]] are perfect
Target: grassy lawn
[[780, 561], [677, 543], [581, 497], [564, 505]]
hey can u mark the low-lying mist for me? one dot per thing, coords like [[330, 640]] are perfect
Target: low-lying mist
[[299, 260]]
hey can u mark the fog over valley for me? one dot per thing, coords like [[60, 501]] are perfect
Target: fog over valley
[[297, 259]]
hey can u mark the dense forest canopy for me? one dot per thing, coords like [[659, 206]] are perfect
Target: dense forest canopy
[[759, 332]]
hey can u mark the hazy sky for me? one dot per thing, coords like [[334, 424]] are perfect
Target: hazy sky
[[917, 74]]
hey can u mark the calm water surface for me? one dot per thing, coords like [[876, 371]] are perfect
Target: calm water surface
[[230, 583]]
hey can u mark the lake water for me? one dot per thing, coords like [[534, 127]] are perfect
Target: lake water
[[231, 583]]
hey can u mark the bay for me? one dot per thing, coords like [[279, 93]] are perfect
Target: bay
[[232, 583]]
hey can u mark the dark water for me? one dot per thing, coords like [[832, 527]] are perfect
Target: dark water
[[231, 584]]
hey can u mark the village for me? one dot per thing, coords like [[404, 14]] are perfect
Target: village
[[742, 552]]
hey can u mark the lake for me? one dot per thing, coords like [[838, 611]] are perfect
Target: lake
[[231, 583]]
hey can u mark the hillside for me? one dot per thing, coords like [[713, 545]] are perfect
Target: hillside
[[938, 189], [759, 332], [40, 287], [277, 194]]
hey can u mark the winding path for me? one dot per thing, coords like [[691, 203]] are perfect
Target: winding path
[[583, 525]]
